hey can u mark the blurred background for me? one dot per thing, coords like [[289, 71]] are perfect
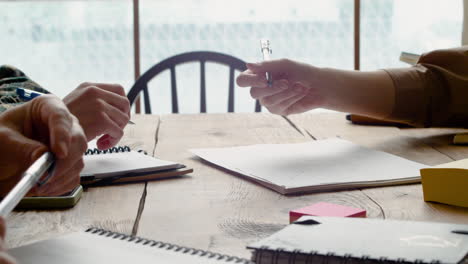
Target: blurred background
[[60, 44]]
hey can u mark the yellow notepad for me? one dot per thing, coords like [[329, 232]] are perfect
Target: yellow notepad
[[461, 139], [446, 183]]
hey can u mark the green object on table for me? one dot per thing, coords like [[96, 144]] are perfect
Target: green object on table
[[52, 202]]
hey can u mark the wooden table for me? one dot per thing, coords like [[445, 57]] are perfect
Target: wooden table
[[215, 210]]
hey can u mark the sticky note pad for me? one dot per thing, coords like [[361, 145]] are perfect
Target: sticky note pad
[[461, 139], [446, 183], [326, 209]]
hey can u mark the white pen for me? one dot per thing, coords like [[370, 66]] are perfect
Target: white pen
[[266, 51], [29, 178]]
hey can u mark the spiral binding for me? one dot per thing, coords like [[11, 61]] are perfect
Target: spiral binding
[[96, 151], [167, 246], [267, 255], [119, 149]]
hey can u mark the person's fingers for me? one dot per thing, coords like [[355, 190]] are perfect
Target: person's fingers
[[22, 152], [249, 79], [268, 66], [105, 142], [26, 147], [277, 98], [118, 101], [66, 177], [111, 127], [94, 92], [115, 88], [290, 104], [57, 120], [66, 173], [119, 117], [300, 106], [59, 129], [277, 87], [63, 183], [284, 108]]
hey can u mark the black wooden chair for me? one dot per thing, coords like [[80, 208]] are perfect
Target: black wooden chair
[[141, 85]]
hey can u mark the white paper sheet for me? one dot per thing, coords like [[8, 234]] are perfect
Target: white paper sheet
[[315, 165]]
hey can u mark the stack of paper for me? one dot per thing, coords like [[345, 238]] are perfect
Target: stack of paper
[[313, 166]]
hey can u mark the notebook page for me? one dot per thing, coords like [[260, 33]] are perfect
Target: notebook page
[[84, 248], [314, 163]]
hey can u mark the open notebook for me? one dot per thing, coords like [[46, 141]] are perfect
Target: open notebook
[[322, 165], [359, 240], [100, 246], [121, 164]]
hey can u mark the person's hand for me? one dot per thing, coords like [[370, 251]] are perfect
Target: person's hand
[[101, 109], [294, 89], [29, 130], [4, 257]]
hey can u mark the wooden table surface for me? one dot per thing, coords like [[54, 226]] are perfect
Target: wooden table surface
[[214, 210]]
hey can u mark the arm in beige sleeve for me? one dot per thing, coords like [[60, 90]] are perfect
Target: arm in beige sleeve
[[435, 91]]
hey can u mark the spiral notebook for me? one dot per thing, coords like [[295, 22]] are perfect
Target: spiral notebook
[[101, 246], [353, 240], [121, 164]]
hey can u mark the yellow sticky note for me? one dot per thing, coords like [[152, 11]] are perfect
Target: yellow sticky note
[[461, 139], [446, 183]]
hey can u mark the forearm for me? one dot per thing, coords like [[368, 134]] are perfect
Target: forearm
[[365, 93]]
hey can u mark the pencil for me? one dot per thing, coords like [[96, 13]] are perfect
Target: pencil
[[365, 120]]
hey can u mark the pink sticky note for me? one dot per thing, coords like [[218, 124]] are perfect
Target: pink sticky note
[[326, 209]]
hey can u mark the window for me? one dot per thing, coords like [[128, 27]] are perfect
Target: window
[[389, 27], [60, 44], [321, 34]]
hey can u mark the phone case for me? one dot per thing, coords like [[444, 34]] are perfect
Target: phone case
[[53, 202]]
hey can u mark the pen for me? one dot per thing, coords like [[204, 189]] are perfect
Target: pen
[[28, 95], [266, 50], [29, 178]]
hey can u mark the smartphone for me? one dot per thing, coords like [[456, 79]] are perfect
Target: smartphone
[[52, 202]]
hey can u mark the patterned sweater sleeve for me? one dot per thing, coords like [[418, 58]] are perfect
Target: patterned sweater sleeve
[[10, 79]]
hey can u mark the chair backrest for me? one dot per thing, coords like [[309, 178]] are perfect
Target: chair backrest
[[141, 85]]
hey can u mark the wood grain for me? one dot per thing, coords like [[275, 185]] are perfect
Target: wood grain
[[214, 209], [428, 146], [113, 207]]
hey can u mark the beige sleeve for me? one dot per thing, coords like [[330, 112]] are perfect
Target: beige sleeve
[[434, 92]]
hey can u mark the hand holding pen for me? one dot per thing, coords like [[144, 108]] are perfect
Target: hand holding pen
[[30, 130], [102, 109], [266, 51], [282, 86]]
